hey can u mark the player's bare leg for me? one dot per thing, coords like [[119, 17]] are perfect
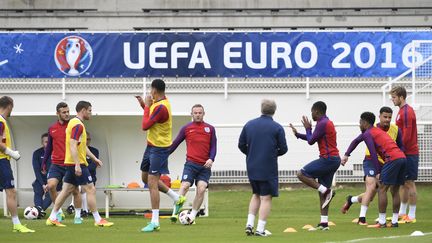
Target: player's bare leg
[[264, 212], [199, 198], [254, 206]]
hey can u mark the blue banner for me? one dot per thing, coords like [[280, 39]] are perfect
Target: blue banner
[[196, 54]]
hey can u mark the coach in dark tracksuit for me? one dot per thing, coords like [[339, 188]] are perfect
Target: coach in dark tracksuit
[[262, 140], [42, 200]]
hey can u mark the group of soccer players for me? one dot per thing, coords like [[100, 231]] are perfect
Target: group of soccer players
[[391, 160]]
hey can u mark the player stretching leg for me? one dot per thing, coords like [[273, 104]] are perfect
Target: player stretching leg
[[370, 172], [391, 174], [326, 166]]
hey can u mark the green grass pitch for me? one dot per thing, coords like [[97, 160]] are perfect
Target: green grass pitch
[[228, 211]]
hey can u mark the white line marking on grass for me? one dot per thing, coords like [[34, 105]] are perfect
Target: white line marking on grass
[[378, 238]]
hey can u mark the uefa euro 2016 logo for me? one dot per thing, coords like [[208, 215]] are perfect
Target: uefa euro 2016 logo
[[73, 55]]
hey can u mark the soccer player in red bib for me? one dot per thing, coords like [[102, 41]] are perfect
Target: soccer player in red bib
[[407, 122], [201, 152], [391, 174], [55, 150], [7, 181], [326, 166]]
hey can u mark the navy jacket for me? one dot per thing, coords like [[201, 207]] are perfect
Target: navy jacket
[[91, 164], [38, 156], [262, 140]]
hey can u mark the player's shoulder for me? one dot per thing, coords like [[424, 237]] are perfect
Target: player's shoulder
[[209, 125]]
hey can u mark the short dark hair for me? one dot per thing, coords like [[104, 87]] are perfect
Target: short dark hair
[[44, 135], [320, 106], [159, 85], [197, 106], [5, 101], [61, 105], [82, 105], [369, 117], [386, 109], [399, 91]]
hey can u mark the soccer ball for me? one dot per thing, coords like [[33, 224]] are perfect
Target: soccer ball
[[31, 213], [184, 218]]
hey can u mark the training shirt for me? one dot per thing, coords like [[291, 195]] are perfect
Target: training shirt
[[380, 144], [76, 130], [394, 132], [5, 137], [157, 121], [325, 135], [262, 140], [200, 142], [407, 122], [55, 149]]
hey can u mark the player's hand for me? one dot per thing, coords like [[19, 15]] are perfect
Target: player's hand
[[378, 176], [293, 129], [44, 171], [208, 164], [344, 160], [306, 122], [45, 188], [98, 162], [12, 153], [148, 100], [78, 171], [140, 101]]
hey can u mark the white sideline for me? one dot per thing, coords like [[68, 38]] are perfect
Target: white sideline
[[377, 238]]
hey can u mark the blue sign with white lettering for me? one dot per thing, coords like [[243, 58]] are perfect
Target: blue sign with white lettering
[[198, 54]]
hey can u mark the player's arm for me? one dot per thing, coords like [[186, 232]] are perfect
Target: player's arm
[[318, 133], [47, 153], [281, 142], [93, 157], [407, 127], [242, 144], [351, 148], [159, 115], [213, 148], [370, 144], [399, 141], [37, 168], [178, 140], [12, 153]]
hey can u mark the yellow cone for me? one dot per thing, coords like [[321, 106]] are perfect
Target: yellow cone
[[307, 226], [290, 230], [330, 223]]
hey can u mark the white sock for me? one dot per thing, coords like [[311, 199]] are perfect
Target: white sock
[[15, 220], [261, 225], [72, 202], [84, 201], [403, 208], [193, 214], [173, 195], [322, 189], [382, 218], [354, 199], [251, 220], [77, 212], [395, 218], [60, 211], [363, 210], [96, 216], [412, 211], [155, 216], [324, 219], [53, 215]]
